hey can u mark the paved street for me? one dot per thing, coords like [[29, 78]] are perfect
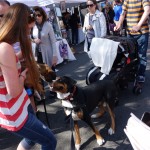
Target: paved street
[[128, 103]]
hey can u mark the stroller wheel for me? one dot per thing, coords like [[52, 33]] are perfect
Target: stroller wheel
[[116, 101], [123, 86], [137, 88]]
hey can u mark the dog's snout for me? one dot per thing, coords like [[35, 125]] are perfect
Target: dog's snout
[[51, 88]]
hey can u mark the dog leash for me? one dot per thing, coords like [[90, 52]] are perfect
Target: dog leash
[[72, 146], [43, 78]]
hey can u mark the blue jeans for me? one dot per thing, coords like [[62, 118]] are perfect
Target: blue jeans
[[34, 131], [142, 41]]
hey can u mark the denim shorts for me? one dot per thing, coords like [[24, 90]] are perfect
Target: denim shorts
[[34, 131]]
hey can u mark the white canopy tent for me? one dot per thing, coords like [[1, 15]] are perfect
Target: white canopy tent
[[44, 2], [33, 2]]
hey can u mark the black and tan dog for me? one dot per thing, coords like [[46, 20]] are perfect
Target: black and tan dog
[[47, 72], [81, 101]]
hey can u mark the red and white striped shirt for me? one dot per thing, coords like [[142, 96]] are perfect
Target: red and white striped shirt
[[13, 111]]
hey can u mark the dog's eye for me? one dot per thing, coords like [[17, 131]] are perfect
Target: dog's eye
[[60, 80], [60, 88]]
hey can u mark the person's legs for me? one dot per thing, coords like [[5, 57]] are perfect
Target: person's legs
[[76, 35], [142, 41], [108, 28], [39, 58], [73, 36], [142, 49], [68, 37], [34, 131], [89, 44]]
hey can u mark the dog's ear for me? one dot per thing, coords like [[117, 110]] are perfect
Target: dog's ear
[[50, 76], [69, 80]]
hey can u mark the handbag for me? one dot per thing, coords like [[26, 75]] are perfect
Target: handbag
[[111, 26], [63, 49]]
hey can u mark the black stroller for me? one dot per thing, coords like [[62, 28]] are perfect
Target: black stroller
[[125, 65]]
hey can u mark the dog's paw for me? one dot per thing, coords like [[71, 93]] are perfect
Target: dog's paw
[[100, 141], [111, 131], [77, 146], [97, 115]]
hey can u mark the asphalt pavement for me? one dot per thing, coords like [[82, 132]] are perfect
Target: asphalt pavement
[[128, 103]]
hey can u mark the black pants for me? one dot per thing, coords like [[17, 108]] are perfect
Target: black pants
[[75, 36], [89, 44], [39, 58]]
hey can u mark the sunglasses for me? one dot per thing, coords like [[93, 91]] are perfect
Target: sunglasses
[[31, 18], [38, 15], [1, 15], [90, 5]]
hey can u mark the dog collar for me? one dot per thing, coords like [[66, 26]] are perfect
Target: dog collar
[[70, 97]]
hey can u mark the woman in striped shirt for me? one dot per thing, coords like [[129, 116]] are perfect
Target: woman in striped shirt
[[16, 114]]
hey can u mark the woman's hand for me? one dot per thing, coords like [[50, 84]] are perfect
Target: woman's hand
[[54, 61], [89, 27], [37, 41], [117, 27], [24, 74]]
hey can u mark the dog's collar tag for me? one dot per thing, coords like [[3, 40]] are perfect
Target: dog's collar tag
[[71, 99], [62, 96]]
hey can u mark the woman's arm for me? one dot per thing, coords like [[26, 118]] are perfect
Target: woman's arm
[[14, 83], [52, 38], [103, 26], [19, 55], [53, 42], [142, 20]]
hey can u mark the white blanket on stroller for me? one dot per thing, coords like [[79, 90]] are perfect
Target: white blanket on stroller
[[103, 53]]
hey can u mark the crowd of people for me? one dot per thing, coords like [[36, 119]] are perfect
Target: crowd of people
[[29, 38], [135, 14], [70, 24]]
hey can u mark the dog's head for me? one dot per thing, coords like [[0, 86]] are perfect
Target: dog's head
[[47, 72], [63, 85]]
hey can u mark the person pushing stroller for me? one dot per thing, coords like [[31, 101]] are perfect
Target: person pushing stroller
[[137, 27]]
